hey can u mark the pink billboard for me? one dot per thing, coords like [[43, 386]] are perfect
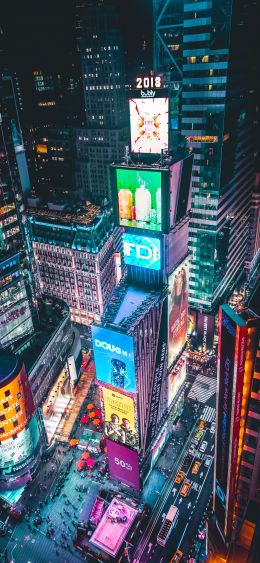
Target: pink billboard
[[123, 464]]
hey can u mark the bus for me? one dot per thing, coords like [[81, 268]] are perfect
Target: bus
[[167, 525]]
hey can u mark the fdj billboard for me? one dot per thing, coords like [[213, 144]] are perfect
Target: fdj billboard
[[119, 418], [123, 464], [114, 358], [142, 251], [139, 198], [149, 124]]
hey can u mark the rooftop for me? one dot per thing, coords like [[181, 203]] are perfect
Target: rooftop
[[84, 215], [113, 527]]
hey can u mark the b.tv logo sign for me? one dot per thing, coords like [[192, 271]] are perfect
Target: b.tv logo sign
[[144, 252]]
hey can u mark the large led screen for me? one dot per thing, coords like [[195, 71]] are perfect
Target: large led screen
[[114, 358], [176, 378], [177, 311], [123, 464], [119, 418], [149, 125], [139, 198], [16, 454], [141, 251]]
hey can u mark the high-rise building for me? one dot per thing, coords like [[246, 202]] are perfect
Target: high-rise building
[[104, 136], [236, 471], [253, 251], [74, 257], [217, 81]]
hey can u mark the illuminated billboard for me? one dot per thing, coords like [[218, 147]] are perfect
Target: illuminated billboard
[[114, 358], [176, 378], [119, 417], [139, 198], [177, 311], [123, 464], [149, 124], [231, 361], [205, 331], [141, 251], [17, 455], [16, 405]]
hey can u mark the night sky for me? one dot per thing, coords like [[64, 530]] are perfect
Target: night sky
[[42, 32]]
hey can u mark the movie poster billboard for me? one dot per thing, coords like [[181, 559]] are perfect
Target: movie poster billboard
[[144, 252], [176, 378], [114, 358], [119, 418], [149, 124], [123, 464], [139, 195], [17, 455], [177, 311], [231, 358]]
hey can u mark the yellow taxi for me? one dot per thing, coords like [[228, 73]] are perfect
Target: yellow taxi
[[185, 488], [179, 477], [177, 556], [195, 467], [202, 424]]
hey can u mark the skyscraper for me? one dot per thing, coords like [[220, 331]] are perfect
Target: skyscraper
[[217, 80], [104, 136]]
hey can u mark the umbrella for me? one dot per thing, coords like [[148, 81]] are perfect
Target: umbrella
[[96, 421], [85, 455], [90, 406], [91, 414], [90, 462], [80, 464], [98, 412], [73, 442], [84, 419]]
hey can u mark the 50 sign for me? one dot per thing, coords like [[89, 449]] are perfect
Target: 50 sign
[[123, 464]]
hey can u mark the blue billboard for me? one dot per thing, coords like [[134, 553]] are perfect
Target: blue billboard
[[114, 358], [141, 251]]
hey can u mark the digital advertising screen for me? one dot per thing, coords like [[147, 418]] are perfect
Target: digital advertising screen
[[144, 252], [177, 310], [176, 378], [205, 331], [119, 422], [149, 124], [123, 464], [139, 195], [231, 355], [20, 405], [16, 455], [114, 358]]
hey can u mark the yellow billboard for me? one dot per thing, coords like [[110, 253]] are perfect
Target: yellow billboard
[[119, 417]]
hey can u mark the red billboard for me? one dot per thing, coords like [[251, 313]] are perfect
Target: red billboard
[[177, 311], [231, 361], [123, 464]]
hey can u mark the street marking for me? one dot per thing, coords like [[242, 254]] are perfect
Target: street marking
[[209, 414], [202, 389]]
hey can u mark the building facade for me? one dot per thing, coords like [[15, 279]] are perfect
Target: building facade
[[217, 116], [74, 258]]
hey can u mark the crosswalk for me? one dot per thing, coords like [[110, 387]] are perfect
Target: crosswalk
[[202, 389], [209, 414]]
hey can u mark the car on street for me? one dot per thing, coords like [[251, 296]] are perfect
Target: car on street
[[179, 477], [185, 488], [213, 428], [207, 460], [203, 446], [202, 424], [177, 556], [195, 467], [187, 461], [192, 450], [197, 437]]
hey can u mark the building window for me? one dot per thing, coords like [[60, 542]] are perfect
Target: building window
[[6, 404], [7, 393], [15, 423], [14, 436], [2, 417], [17, 408], [19, 395], [2, 429]]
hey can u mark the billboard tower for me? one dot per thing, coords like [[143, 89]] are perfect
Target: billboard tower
[[139, 344]]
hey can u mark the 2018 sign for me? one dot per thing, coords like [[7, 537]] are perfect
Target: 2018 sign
[[141, 251]]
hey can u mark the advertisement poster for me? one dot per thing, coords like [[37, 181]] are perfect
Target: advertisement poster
[[139, 198], [15, 455], [119, 418], [20, 407], [123, 464], [149, 125], [176, 378], [205, 331], [114, 358], [141, 251], [177, 311]]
